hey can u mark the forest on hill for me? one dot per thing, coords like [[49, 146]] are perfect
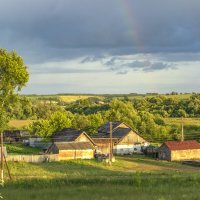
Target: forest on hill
[[148, 115]]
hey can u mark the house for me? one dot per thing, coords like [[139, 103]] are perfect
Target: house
[[125, 140], [179, 150], [70, 143]]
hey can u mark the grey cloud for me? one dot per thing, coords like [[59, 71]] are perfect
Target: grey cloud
[[158, 66], [122, 72], [138, 65], [179, 57], [92, 58], [59, 29]]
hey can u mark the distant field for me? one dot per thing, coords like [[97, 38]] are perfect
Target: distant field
[[70, 99], [74, 97], [186, 121], [130, 177], [19, 123]]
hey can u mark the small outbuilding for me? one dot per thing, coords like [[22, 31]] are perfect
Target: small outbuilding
[[72, 150], [71, 143], [179, 150], [13, 136]]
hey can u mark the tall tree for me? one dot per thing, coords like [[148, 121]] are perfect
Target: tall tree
[[13, 76]]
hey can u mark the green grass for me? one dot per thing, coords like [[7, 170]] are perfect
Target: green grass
[[130, 177], [21, 149]]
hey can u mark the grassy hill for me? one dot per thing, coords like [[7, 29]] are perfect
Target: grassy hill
[[130, 177]]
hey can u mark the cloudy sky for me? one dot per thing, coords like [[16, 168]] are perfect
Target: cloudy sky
[[105, 46]]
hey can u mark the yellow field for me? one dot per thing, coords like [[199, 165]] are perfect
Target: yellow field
[[186, 121], [69, 99], [19, 123]]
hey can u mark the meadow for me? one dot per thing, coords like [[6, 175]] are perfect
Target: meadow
[[191, 126], [130, 177], [19, 124]]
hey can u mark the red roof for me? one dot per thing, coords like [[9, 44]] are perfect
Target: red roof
[[185, 145]]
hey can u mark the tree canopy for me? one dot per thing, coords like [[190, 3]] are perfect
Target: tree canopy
[[13, 76]]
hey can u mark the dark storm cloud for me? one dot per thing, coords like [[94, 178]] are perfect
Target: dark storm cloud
[[52, 30]]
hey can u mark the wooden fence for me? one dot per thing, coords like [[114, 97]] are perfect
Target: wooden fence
[[33, 158]]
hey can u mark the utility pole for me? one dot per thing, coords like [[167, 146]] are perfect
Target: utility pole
[[111, 144], [2, 159], [182, 130]]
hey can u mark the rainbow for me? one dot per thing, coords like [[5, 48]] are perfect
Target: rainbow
[[130, 20]]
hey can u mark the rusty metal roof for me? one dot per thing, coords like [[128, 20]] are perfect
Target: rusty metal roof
[[185, 145], [74, 145]]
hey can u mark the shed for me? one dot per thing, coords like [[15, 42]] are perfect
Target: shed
[[125, 140], [179, 150], [71, 143], [72, 150], [12, 136]]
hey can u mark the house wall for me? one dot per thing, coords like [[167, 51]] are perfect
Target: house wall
[[132, 138], [127, 149], [104, 148], [193, 154], [83, 138], [123, 126], [131, 143], [76, 154]]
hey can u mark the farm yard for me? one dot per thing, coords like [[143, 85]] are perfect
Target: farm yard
[[130, 177]]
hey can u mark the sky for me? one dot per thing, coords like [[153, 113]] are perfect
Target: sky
[[105, 46]]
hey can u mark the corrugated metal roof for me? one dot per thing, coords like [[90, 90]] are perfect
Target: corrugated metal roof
[[67, 134], [73, 145], [121, 132], [117, 133], [105, 128], [185, 145]]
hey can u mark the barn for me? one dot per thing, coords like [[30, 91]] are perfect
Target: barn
[[70, 143], [125, 140], [179, 150]]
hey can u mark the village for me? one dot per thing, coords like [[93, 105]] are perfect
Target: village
[[112, 139], [99, 100]]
